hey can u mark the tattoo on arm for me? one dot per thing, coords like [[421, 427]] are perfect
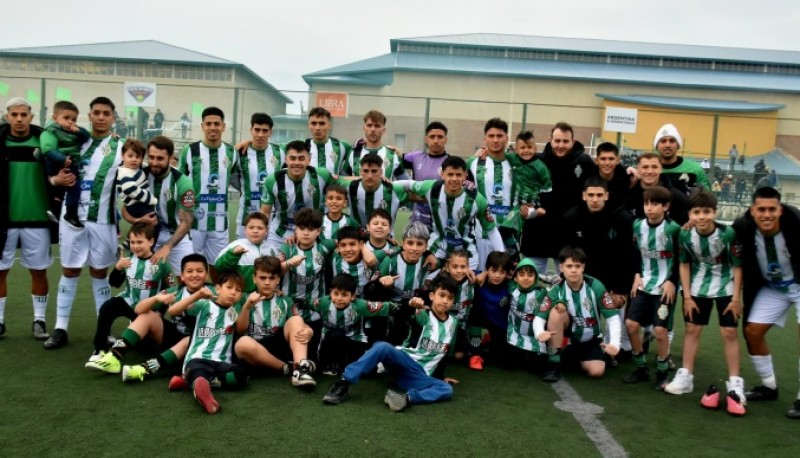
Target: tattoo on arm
[[186, 219]]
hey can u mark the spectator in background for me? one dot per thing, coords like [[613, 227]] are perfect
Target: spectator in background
[[741, 187], [131, 125], [716, 188], [158, 119], [185, 123], [727, 187], [733, 154], [705, 165]]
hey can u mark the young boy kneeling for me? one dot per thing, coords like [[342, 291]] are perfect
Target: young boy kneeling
[[414, 368]]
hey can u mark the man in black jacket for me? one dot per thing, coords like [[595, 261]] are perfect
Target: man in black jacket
[[771, 264], [543, 236], [649, 168]]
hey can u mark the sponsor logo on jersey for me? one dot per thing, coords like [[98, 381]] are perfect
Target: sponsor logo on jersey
[[206, 332], [433, 346], [213, 183], [199, 213], [212, 198], [86, 185], [262, 177]]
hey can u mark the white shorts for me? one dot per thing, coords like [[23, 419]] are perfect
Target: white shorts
[[275, 242], [95, 245], [771, 306], [484, 248], [177, 253], [209, 244], [35, 252]]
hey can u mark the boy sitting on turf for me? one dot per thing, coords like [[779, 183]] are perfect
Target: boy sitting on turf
[[490, 311], [711, 274], [343, 314], [404, 274], [653, 291], [379, 228], [527, 295], [413, 367], [353, 258], [194, 272], [271, 336], [335, 202], [240, 254], [211, 349], [573, 309], [144, 279]]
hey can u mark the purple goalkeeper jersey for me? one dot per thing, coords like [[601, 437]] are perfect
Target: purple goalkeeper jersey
[[424, 167]]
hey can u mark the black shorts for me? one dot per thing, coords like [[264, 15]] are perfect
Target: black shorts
[[277, 346], [705, 304], [647, 309], [170, 335], [207, 369], [585, 351]]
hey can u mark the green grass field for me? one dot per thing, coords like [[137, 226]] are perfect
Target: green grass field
[[52, 406]]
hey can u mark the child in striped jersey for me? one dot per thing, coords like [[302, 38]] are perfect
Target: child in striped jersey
[[335, 202], [241, 254], [171, 333], [653, 291], [344, 339], [132, 183], [144, 279], [710, 274], [403, 273], [527, 295], [417, 369], [379, 227], [352, 257], [271, 336], [456, 266], [210, 352]]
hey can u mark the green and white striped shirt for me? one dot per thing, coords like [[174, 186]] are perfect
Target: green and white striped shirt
[[287, 196], [144, 279], [212, 338], [256, 166], [362, 202], [711, 260], [392, 164], [328, 155], [351, 318], [243, 263], [183, 322], [268, 317], [434, 341], [658, 246], [463, 302], [359, 270], [210, 171], [306, 281], [584, 307], [410, 277], [330, 228], [175, 194], [521, 313], [495, 182], [97, 173]]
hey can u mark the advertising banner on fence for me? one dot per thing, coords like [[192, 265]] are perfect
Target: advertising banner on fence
[[140, 95], [335, 102]]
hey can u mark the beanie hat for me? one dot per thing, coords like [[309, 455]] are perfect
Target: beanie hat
[[18, 102], [668, 130]]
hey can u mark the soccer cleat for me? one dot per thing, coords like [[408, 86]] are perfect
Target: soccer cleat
[[2, 329], [331, 369], [681, 384], [40, 330], [380, 368], [735, 404], [640, 374], [476, 363], [178, 383], [710, 399], [762, 393], [661, 380], [202, 392], [108, 362], [51, 215], [736, 384], [794, 412], [301, 376], [340, 391], [396, 401], [552, 374], [95, 356], [131, 373], [58, 339]]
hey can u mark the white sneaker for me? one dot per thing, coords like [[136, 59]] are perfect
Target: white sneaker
[[736, 384], [380, 368], [96, 355], [682, 383]]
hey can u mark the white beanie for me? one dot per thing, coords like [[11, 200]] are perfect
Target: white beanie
[[18, 102], [668, 130]]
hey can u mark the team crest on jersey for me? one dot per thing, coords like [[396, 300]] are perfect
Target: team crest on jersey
[[311, 190], [737, 250], [662, 239], [663, 312], [718, 245], [503, 302], [607, 301], [489, 216], [187, 199], [547, 304], [230, 314], [277, 313], [106, 149], [578, 170], [225, 162], [152, 269], [374, 306], [384, 205], [319, 258], [461, 213]]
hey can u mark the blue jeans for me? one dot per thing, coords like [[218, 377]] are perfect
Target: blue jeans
[[420, 387]]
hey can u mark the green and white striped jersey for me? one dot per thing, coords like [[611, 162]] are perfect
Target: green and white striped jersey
[[358, 270], [306, 281], [97, 173], [711, 260], [183, 322], [658, 246], [330, 228], [351, 318], [212, 338], [175, 194], [328, 155], [362, 202], [388, 248], [267, 317], [521, 312], [495, 182], [410, 277], [584, 307], [434, 341], [392, 163], [210, 171], [144, 279], [773, 259], [243, 263], [463, 302], [255, 167], [454, 218], [287, 196]]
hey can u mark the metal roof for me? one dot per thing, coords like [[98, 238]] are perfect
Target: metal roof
[[527, 68], [783, 163], [148, 50], [685, 103], [632, 48]]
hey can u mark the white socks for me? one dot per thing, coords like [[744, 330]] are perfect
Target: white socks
[[39, 307], [102, 292], [763, 365], [67, 287], [3, 309]]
